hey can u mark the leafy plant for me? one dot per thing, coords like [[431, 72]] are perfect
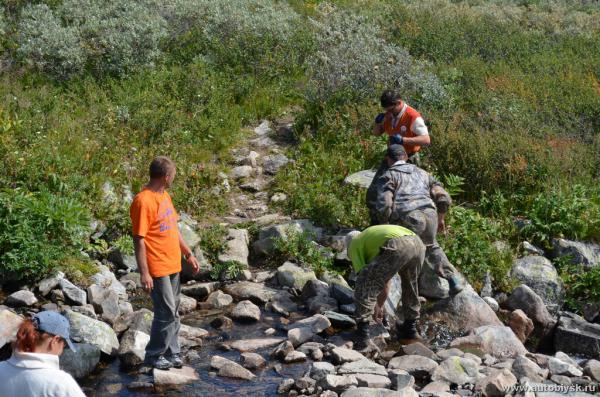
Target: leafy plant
[[212, 242], [581, 283], [299, 247], [469, 246], [453, 184], [38, 231], [229, 270]]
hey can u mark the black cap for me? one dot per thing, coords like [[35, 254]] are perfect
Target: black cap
[[396, 152]]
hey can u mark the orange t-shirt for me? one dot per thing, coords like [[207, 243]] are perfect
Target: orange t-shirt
[[154, 218]]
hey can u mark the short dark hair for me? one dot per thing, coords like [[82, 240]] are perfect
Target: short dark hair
[[396, 152], [389, 98], [160, 166]]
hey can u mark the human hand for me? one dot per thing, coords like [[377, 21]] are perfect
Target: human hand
[[379, 118], [396, 139], [147, 282], [193, 262], [378, 314]]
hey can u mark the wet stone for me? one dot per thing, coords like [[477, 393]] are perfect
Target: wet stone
[[252, 360]]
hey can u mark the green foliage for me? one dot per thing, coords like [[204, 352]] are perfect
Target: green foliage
[[212, 242], [569, 212], [108, 36], [38, 232], [469, 246], [581, 284], [124, 244], [299, 247], [453, 184], [228, 270]]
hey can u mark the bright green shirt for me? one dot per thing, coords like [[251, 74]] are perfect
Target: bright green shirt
[[365, 247]]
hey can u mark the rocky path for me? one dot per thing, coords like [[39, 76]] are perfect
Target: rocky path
[[287, 331]]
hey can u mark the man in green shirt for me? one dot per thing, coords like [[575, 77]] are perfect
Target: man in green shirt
[[377, 254]]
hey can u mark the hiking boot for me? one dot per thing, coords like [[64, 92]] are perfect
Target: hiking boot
[[455, 284], [408, 330], [159, 362], [362, 337], [176, 360]]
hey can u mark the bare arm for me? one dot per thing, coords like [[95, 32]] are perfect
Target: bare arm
[[140, 256], [381, 298], [187, 252], [419, 140]]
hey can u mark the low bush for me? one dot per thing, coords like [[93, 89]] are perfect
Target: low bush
[[581, 284], [299, 247], [470, 247], [39, 232]]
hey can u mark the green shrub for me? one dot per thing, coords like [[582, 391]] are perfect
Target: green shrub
[[354, 62], [212, 242], [228, 270], [38, 232], [581, 284], [109, 37], [299, 247], [469, 246]]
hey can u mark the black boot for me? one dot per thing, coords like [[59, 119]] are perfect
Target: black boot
[[409, 330], [362, 337]]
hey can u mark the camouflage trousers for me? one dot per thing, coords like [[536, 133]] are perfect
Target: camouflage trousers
[[424, 223], [402, 255]]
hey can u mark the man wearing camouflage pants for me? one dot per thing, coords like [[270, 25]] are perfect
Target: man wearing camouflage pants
[[411, 197], [377, 254]]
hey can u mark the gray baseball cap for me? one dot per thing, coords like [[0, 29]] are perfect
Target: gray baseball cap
[[56, 324]]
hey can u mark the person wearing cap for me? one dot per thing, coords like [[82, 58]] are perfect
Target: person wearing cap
[[403, 125], [158, 251], [33, 369], [377, 254], [409, 196]]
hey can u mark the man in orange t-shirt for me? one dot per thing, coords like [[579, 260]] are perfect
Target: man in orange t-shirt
[[158, 249]]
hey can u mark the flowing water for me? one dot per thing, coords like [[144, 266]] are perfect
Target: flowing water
[[111, 381]]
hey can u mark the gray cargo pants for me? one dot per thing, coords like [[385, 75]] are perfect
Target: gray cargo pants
[[165, 325], [403, 255], [424, 223]]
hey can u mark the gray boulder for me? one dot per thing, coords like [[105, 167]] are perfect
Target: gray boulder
[[559, 367], [498, 341], [174, 376], [82, 362], [341, 355], [252, 360], [464, 311], [132, 349], [320, 369], [272, 163], [592, 369], [291, 275], [587, 254], [219, 299], [523, 367], [337, 383], [321, 304], [74, 294], [576, 336], [187, 304], [538, 273], [236, 247], [338, 320], [246, 311], [21, 298], [524, 298], [344, 295], [50, 283], [379, 392], [255, 292], [107, 279], [9, 325], [362, 366], [87, 330], [303, 330], [314, 287], [458, 370], [361, 179], [230, 369], [248, 345], [199, 290], [241, 172], [418, 366], [430, 284], [282, 303], [496, 384]]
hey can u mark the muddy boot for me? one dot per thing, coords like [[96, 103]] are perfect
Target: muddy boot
[[455, 284], [408, 330]]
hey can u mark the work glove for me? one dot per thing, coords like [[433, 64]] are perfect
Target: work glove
[[396, 139], [379, 118]]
